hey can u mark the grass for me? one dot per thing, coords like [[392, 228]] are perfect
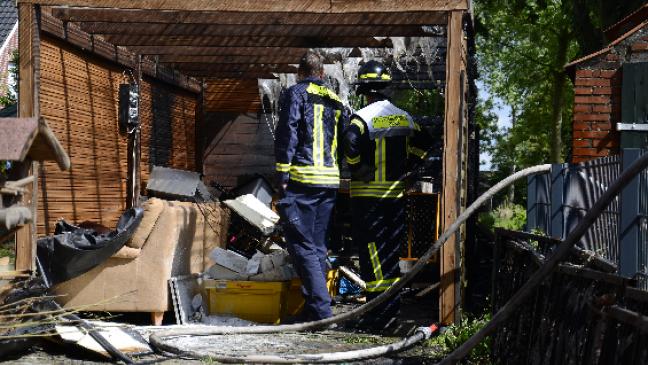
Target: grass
[[455, 335]]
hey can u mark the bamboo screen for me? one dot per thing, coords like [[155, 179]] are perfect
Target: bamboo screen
[[78, 98]]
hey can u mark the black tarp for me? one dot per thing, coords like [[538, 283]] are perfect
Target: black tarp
[[73, 250]]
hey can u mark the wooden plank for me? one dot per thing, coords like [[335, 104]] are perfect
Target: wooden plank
[[244, 18], [70, 33], [227, 30], [251, 59], [240, 75], [216, 41], [451, 167], [278, 6], [28, 45], [218, 51], [79, 96], [235, 67]]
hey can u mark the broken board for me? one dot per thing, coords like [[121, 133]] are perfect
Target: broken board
[[126, 341]]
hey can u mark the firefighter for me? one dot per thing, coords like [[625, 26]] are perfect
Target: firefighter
[[377, 144], [308, 178]]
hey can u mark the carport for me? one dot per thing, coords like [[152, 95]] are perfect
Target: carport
[[208, 56]]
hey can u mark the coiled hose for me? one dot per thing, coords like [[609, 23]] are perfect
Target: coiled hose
[[157, 339]]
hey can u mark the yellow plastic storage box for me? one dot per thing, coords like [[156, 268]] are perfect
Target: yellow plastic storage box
[[295, 300], [255, 301]]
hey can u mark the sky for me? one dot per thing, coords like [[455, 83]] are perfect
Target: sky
[[503, 113]]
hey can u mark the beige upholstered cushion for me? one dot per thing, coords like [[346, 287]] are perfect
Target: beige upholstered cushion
[[127, 253], [152, 209]]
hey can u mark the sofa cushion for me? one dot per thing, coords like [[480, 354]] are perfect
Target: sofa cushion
[[152, 210], [127, 253]]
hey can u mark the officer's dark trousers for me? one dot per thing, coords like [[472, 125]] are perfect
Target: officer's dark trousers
[[378, 229], [306, 213]]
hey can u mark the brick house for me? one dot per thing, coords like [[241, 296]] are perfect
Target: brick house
[[8, 41], [611, 92]]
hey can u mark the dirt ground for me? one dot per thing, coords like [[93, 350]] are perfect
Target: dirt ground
[[415, 312], [326, 341]]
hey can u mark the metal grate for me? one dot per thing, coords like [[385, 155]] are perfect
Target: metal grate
[[422, 224], [585, 183], [577, 316], [643, 231]]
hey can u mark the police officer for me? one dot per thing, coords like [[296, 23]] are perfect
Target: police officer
[[377, 144], [308, 177]]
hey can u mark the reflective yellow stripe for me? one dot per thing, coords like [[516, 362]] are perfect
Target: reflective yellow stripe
[[322, 91], [359, 124], [375, 261], [377, 155], [381, 285], [334, 143], [388, 189], [390, 121], [353, 160], [318, 137], [417, 151], [315, 174], [283, 167], [373, 75], [380, 159], [383, 159]]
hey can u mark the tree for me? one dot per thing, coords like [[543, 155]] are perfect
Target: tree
[[522, 47]]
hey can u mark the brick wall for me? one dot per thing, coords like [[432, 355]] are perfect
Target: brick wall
[[597, 109], [597, 102]]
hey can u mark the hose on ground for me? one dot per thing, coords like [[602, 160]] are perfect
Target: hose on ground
[[551, 264], [157, 339]]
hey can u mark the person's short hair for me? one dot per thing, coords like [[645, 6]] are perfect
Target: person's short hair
[[311, 64]]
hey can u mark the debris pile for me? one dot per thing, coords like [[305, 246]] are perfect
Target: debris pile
[[274, 266]]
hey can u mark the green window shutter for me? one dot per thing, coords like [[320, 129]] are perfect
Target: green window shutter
[[634, 103]]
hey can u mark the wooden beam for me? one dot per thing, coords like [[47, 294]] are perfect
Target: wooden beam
[[217, 51], [214, 41], [226, 30], [220, 75], [263, 59], [239, 67], [452, 166], [245, 18], [28, 106], [279, 6], [72, 34]]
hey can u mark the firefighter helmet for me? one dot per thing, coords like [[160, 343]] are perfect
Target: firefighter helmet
[[373, 72]]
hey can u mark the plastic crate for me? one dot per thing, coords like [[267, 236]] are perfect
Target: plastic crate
[[255, 301], [295, 299]]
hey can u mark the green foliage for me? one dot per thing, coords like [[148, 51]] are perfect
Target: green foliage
[[454, 336], [420, 102], [5, 166], [522, 47], [508, 216], [10, 92], [8, 249]]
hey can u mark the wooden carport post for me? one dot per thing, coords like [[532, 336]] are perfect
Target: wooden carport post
[[454, 163], [29, 48]]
